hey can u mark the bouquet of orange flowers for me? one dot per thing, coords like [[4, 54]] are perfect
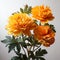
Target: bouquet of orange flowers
[[29, 29]]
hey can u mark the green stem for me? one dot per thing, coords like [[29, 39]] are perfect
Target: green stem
[[33, 48], [24, 50], [22, 37], [28, 52], [36, 48], [16, 52], [22, 46]]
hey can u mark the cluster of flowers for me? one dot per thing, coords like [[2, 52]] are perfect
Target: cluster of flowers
[[23, 23]]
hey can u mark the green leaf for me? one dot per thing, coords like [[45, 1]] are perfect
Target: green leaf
[[18, 47], [8, 37], [33, 41], [39, 58], [25, 57], [30, 39], [41, 52], [24, 45], [15, 58], [13, 37], [19, 39], [53, 28], [35, 21], [9, 40], [11, 47], [31, 54], [5, 41], [25, 8], [44, 51], [15, 12], [46, 24], [29, 9], [28, 44], [21, 10], [36, 42]]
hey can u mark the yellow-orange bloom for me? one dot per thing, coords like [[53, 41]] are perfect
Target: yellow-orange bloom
[[44, 35], [20, 23], [42, 13]]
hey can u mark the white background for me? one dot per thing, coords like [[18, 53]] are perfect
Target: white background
[[7, 7]]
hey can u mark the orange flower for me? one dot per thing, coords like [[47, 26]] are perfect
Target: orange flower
[[44, 35], [20, 23], [42, 13]]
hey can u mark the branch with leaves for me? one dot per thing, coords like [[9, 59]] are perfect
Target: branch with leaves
[[29, 29]]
